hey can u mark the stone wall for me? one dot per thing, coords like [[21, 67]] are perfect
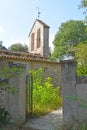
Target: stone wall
[[16, 104], [63, 74], [74, 92], [52, 70], [74, 89]]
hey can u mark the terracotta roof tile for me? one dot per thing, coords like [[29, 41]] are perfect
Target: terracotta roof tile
[[20, 56]]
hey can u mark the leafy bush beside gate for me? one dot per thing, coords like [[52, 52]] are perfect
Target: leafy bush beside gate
[[46, 97]]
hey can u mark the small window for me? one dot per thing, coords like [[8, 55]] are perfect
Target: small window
[[32, 42], [38, 38]]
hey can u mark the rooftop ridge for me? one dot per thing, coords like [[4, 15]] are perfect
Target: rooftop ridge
[[24, 54], [21, 56]]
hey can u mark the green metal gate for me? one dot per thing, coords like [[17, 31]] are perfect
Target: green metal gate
[[29, 95]]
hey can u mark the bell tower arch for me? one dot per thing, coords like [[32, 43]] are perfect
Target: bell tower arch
[[39, 38]]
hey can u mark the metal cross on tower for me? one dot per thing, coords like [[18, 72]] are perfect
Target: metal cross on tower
[[38, 13]]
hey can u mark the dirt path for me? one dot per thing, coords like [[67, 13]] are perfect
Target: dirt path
[[50, 121]]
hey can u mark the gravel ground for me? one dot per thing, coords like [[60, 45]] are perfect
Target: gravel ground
[[51, 121]]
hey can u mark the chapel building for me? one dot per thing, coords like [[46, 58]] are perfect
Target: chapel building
[[36, 58]]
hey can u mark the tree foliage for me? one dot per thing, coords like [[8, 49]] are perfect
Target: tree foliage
[[1, 46], [69, 35], [80, 52], [19, 47], [83, 4]]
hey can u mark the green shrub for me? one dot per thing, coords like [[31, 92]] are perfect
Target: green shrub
[[46, 97], [82, 69], [5, 117]]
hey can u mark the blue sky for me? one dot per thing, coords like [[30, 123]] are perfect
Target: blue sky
[[18, 16]]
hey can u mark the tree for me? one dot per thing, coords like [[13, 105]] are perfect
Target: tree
[[70, 34], [19, 47], [1, 46], [83, 4], [80, 52]]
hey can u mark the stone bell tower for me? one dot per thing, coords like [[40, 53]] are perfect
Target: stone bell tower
[[39, 38]]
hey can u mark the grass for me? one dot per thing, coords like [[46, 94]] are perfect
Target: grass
[[42, 109]]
